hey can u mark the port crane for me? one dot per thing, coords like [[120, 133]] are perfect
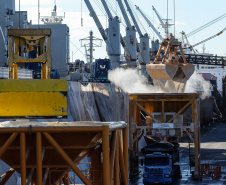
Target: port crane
[[150, 24], [130, 54], [144, 38], [112, 40], [130, 34]]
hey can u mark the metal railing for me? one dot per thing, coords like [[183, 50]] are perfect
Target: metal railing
[[22, 73]]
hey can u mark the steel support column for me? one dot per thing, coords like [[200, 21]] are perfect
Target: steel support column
[[116, 170], [195, 120], [15, 71], [39, 158], [163, 112], [105, 150], [125, 152], [113, 148], [121, 162], [23, 158]]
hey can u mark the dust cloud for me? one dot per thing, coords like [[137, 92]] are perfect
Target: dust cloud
[[197, 83], [130, 81]]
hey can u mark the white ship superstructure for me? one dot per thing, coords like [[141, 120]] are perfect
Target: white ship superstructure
[[217, 71]]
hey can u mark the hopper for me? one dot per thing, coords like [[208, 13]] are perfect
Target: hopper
[[169, 74]]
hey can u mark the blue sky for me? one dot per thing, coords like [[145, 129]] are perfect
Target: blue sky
[[190, 15]]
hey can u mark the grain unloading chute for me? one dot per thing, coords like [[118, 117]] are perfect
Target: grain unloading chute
[[43, 97], [170, 69]]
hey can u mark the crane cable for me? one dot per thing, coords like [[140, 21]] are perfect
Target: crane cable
[[135, 14], [208, 38], [206, 25]]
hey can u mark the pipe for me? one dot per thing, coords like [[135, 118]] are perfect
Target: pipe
[[66, 158]]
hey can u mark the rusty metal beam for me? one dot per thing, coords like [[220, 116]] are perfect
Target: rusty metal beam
[[23, 158], [180, 111], [163, 112], [51, 129], [121, 162], [195, 119], [105, 150], [8, 143], [143, 109], [116, 169], [137, 136], [15, 71], [29, 32], [66, 158], [112, 159], [125, 152], [39, 158], [190, 136]]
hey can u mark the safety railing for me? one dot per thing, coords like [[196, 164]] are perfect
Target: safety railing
[[209, 170], [22, 73]]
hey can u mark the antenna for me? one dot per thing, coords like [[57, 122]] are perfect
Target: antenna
[[167, 19], [174, 17], [19, 13], [55, 7], [81, 14], [38, 12]]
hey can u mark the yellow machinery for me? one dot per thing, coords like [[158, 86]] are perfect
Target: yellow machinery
[[170, 69], [43, 97]]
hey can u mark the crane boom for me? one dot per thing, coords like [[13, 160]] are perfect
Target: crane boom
[[133, 18], [99, 25], [126, 18], [150, 24], [107, 9], [159, 18]]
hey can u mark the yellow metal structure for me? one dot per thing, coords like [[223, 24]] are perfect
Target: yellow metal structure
[[43, 97], [35, 97], [44, 154], [29, 38]]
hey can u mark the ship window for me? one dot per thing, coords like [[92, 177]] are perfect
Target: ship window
[[144, 46]]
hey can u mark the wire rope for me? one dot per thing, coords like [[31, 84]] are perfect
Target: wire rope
[[206, 25]]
